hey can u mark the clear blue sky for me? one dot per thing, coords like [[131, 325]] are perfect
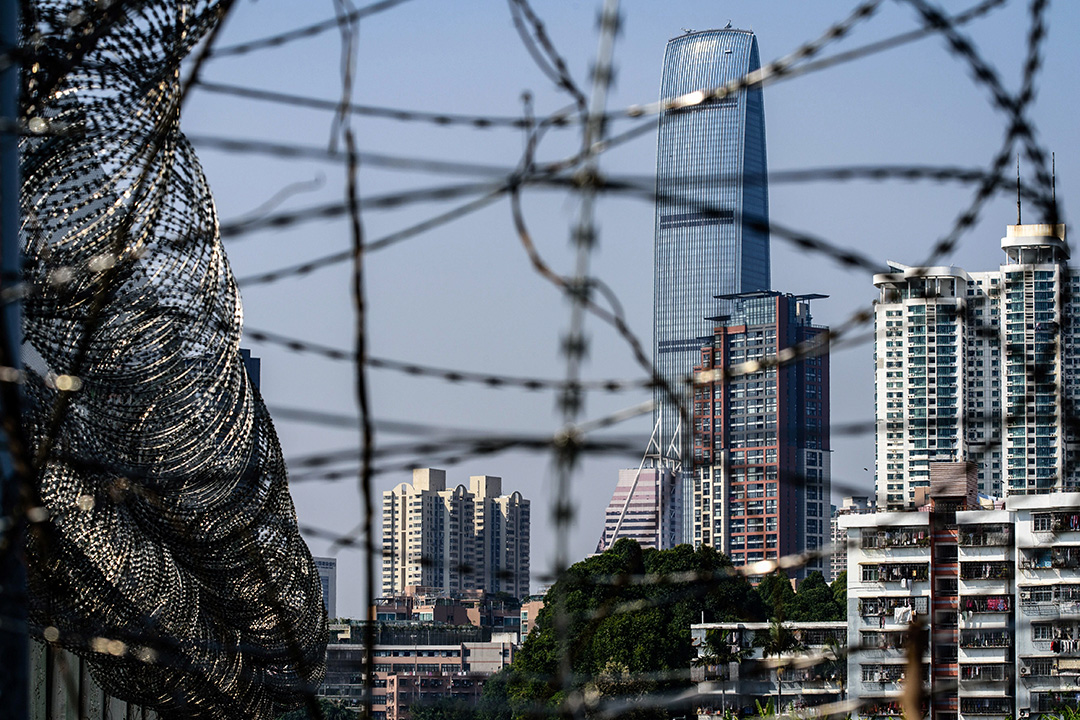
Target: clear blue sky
[[464, 296]]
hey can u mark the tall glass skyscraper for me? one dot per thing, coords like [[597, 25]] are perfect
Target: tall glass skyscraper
[[712, 208]]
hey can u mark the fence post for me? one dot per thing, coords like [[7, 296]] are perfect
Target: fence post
[[14, 635]]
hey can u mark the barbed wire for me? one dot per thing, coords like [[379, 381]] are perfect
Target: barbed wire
[[587, 183]]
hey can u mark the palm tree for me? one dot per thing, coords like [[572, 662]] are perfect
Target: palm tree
[[780, 641], [718, 650]]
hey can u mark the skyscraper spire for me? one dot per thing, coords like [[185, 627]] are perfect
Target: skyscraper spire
[[1018, 218]]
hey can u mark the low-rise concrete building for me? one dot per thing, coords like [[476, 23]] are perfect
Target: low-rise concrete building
[[414, 663], [742, 674]]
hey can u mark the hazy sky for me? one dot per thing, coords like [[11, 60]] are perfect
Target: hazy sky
[[464, 296]]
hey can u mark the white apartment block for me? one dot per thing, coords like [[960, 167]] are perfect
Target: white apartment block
[[457, 539], [979, 367], [998, 590]]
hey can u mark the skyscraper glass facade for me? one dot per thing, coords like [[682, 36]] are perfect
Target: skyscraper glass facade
[[712, 208]]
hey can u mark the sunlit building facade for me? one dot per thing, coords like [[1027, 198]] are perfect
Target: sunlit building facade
[[646, 507], [980, 367], [712, 208], [453, 540], [997, 591]]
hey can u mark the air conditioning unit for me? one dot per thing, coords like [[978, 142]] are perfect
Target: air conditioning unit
[[1024, 713], [1025, 670]]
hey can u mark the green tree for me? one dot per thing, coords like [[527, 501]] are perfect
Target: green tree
[[330, 711], [839, 591], [627, 608], [446, 709], [617, 691], [780, 641], [776, 593], [814, 602], [494, 702]]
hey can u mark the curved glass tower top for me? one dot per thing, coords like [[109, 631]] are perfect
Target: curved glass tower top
[[712, 207]]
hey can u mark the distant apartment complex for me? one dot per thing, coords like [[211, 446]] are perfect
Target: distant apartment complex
[[455, 540], [761, 432], [647, 507], [980, 367]]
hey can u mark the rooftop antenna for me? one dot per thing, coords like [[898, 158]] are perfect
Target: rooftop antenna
[[1053, 180], [1018, 189]]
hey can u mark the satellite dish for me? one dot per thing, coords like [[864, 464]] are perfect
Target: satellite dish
[[728, 26]]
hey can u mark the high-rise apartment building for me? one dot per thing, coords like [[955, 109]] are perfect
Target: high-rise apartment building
[[712, 207], [647, 507], [761, 432], [455, 540], [980, 367]]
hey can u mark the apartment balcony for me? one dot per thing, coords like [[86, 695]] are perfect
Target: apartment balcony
[[1064, 557], [1054, 701], [991, 571], [1060, 648], [978, 639], [983, 537], [1051, 608], [918, 537], [985, 604], [985, 706], [987, 676], [1043, 683], [901, 573], [872, 608], [876, 688]]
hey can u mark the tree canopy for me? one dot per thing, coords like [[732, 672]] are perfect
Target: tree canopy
[[626, 614]]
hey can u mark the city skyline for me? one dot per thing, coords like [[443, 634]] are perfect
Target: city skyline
[[439, 218], [470, 281]]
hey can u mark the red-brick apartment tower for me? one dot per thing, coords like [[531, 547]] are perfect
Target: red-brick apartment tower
[[761, 431]]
